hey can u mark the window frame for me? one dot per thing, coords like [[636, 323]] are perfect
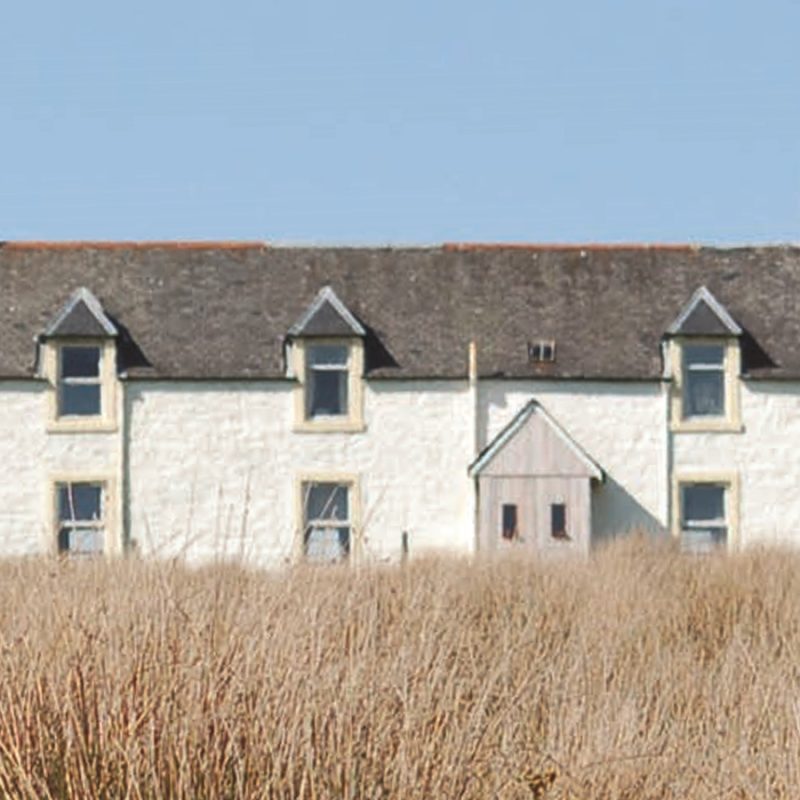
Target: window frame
[[314, 372], [514, 537], [542, 351], [106, 420], [561, 535], [66, 381], [353, 420], [112, 542], [728, 422], [352, 483], [729, 482]]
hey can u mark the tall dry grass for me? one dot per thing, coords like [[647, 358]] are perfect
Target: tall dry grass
[[636, 674]]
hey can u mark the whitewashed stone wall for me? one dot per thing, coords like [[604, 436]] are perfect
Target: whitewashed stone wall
[[214, 467], [766, 457], [31, 458], [23, 491]]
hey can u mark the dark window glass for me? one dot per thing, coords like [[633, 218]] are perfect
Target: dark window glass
[[328, 355], [79, 400], [704, 374], [327, 377], [328, 393], [509, 530], [80, 362], [703, 518], [80, 501], [326, 501], [704, 355], [79, 392], [326, 510], [558, 521], [542, 351], [705, 396], [704, 503], [80, 512]]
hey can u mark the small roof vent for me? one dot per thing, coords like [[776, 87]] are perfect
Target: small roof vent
[[542, 351]]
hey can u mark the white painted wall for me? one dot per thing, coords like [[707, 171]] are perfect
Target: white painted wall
[[213, 468]]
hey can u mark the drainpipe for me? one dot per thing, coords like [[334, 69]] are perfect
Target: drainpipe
[[473, 387], [667, 379], [474, 402]]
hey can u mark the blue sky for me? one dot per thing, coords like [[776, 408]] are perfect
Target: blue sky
[[408, 122]]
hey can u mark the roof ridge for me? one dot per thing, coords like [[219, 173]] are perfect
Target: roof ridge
[[132, 245], [560, 246]]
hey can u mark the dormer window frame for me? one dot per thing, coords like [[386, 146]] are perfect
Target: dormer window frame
[[80, 323], [327, 323], [682, 420], [352, 420], [704, 322], [52, 362]]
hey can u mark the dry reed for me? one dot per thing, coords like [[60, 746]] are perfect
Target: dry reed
[[636, 674]]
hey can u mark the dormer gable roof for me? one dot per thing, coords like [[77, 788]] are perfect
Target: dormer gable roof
[[327, 316], [534, 431], [81, 315], [704, 315]]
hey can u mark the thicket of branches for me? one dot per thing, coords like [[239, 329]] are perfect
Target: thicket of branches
[[638, 673]]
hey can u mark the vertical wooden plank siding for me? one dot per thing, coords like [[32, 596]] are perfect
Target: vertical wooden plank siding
[[533, 496], [536, 449]]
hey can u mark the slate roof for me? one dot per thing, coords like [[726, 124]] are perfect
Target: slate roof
[[207, 311]]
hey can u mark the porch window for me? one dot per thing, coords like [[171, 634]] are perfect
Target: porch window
[[509, 522], [327, 521], [558, 521]]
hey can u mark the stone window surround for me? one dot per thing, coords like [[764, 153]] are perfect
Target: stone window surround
[[729, 480], [353, 422], [731, 422], [106, 421], [351, 480], [112, 544]]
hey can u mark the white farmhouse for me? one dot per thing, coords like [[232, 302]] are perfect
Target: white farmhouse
[[273, 404]]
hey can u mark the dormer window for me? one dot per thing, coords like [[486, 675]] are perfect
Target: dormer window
[[78, 358], [704, 363], [326, 357], [80, 381]]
